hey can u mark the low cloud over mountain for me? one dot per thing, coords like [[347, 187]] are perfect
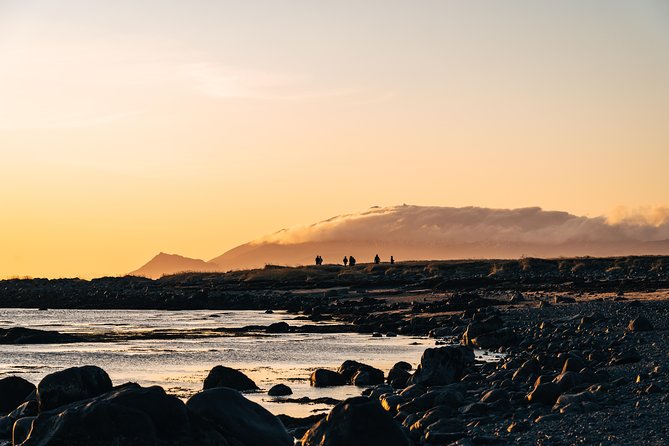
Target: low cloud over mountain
[[417, 232]]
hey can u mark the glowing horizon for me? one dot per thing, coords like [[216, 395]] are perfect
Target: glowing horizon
[[129, 129]]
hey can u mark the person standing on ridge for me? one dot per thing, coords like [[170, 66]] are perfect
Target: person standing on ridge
[[345, 260], [351, 260], [377, 259], [392, 260]]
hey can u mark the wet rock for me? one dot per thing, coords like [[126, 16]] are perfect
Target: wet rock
[[399, 374], [221, 376], [21, 430], [278, 327], [21, 335], [444, 365], [27, 409], [392, 402], [477, 328], [13, 391], [280, 390], [326, 378], [243, 421], [360, 374], [129, 415], [357, 421], [70, 385], [641, 323]]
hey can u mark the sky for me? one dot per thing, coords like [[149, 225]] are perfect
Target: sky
[[128, 128]]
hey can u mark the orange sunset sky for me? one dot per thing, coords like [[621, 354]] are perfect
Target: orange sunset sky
[[133, 127]]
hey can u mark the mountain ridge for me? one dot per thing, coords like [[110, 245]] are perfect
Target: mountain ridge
[[436, 233]]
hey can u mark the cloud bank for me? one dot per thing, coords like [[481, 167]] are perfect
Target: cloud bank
[[449, 225]]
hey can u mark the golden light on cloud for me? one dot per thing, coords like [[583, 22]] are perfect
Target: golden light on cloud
[[134, 128]]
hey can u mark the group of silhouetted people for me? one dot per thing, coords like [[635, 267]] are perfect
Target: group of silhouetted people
[[350, 260]]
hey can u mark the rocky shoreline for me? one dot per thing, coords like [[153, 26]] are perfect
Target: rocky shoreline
[[585, 362]]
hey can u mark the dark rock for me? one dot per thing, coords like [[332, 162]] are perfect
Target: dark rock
[[641, 323], [221, 376], [70, 385], [444, 365], [326, 378], [495, 395], [399, 374], [13, 391], [278, 327], [129, 415], [244, 421], [21, 430], [564, 300], [626, 357], [280, 390], [21, 335], [545, 394], [573, 364], [567, 380], [298, 426], [357, 421], [360, 374]]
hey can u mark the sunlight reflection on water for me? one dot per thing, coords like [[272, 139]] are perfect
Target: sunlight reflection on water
[[180, 365]]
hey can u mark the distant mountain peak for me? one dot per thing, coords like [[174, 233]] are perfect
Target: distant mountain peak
[[163, 264], [410, 232]]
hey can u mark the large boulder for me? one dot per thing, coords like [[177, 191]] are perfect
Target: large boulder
[[127, 415], [221, 376], [326, 378], [280, 390], [244, 422], [545, 393], [443, 365], [70, 385], [13, 391], [399, 374], [358, 421], [366, 374]]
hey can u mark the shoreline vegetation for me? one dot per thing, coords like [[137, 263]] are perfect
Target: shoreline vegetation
[[585, 344]]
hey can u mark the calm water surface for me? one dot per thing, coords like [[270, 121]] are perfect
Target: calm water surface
[[180, 365]]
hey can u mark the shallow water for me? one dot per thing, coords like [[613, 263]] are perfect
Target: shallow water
[[180, 365]]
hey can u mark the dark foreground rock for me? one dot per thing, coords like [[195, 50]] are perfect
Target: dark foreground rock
[[443, 365], [13, 391], [221, 376], [280, 390], [359, 421], [326, 378], [241, 420], [360, 374], [130, 415], [22, 335], [70, 385]]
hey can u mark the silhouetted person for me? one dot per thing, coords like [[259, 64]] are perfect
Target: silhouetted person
[[377, 259], [345, 260], [317, 260], [392, 260], [351, 260]]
